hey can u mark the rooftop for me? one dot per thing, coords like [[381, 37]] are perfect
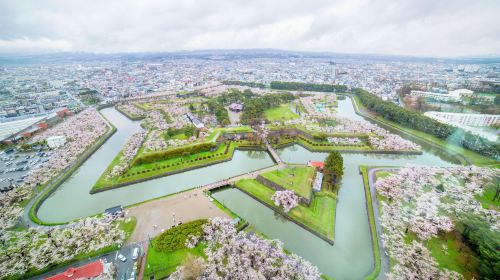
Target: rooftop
[[89, 270]]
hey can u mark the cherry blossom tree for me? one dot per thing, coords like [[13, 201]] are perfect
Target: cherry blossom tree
[[239, 255], [286, 198]]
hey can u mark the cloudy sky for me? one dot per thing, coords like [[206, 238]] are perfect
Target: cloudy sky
[[407, 27]]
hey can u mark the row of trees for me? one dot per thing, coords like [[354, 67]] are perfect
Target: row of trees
[[333, 170], [188, 131], [255, 107], [242, 83], [415, 120], [485, 243], [308, 86], [172, 153]]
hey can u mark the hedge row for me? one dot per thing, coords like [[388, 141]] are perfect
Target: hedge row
[[158, 167], [173, 153]]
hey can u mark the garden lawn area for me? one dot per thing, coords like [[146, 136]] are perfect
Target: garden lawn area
[[487, 198], [319, 217], [160, 167], [162, 264], [296, 178], [451, 252], [128, 225], [325, 146], [168, 250], [280, 113]]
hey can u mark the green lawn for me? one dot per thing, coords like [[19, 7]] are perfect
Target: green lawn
[[157, 168], [162, 264], [319, 217], [128, 225], [487, 198], [296, 178], [280, 113], [451, 252]]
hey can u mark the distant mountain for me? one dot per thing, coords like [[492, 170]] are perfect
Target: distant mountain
[[231, 55]]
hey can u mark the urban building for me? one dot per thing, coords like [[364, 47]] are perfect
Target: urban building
[[461, 119], [56, 141]]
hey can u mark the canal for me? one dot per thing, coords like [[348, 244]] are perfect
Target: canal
[[350, 258]]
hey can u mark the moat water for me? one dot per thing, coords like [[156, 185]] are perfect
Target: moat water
[[351, 257]]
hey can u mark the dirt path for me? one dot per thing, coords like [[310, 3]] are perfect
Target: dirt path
[[161, 214]]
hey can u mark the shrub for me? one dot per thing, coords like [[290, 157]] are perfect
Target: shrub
[[175, 238]]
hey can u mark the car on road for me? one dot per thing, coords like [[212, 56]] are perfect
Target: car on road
[[122, 258]]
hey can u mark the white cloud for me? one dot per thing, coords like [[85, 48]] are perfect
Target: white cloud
[[413, 27]]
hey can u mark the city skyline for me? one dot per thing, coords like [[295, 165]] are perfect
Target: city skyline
[[412, 28]]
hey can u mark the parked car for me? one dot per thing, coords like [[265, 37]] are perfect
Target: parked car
[[122, 258], [135, 253]]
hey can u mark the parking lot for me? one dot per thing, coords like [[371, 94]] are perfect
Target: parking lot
[[14, 166]]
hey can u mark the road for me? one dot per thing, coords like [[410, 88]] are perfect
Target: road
[[383, 252]]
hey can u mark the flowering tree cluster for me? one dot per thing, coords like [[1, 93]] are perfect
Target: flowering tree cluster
[[80, 131], [346, 141], [37, 248], [286, 198], [239, 255], [155, 141], [131, 110], [380, 139], [422, 200], [156, 120], [10, 209], [392, 142], [133, 144]]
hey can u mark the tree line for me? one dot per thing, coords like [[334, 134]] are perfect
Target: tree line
[[242, 83], [485, 243], [418, 121], [308, 86], [173, 153]]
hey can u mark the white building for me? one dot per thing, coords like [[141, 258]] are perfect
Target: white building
[[464, 119], [454, 95], [56, 141]]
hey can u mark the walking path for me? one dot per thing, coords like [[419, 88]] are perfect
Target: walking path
[[383, 253], [155, 216], [273, 153]]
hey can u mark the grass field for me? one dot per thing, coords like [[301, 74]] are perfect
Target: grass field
[[157, 168], [296, 178], [162, 264], [486, 199], [280, 113], [319, 217]]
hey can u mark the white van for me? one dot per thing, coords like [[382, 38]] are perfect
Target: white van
[[135, 253]]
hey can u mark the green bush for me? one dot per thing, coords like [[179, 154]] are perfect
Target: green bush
[[175, 238], [173, 153]]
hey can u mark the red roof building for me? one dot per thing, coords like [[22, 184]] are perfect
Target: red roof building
[[89, 270], [317, 164]]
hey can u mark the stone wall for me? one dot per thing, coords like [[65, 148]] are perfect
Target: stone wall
[[278, 187]]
